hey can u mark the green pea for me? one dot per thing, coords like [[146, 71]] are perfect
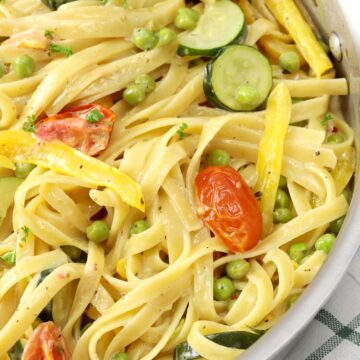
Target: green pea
[[144, 39], [146, 82], [282, 199], [120, 356], [165, 36], [335, 139], [22, 170], [23, 66], [85, 327], [325, 46], [336, 225], [223, 289], [325, 242], [73, 252], [247, 95], [237, 269], [282, 215], [282, 182], [98, 231], [290, 61], [297, 251], [218, 157], [348, 195], [291, 301], [134, 94], [139, 226], [3, 69], [186, 19]]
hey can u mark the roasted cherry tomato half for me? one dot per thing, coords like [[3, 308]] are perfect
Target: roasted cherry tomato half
[[46, 343], [86, 128], [228, 207]]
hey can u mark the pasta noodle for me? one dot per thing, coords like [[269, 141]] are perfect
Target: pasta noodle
[[144, 293]]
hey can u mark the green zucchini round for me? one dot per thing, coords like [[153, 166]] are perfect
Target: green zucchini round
[[233, 66], [221, 24]]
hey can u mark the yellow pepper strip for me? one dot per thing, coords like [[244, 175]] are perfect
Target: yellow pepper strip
[[275, 47], [270, 155], [6, 163], [344, 170], [121, 268], [247, 10], [22, 146], [289, 16]]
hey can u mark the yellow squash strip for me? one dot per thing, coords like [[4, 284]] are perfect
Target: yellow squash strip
[[344, 170], [247, 10], [289, 16], [6, 163], [24, 147], [277, 118]]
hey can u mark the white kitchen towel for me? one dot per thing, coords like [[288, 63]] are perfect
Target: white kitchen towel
[[334, 334]]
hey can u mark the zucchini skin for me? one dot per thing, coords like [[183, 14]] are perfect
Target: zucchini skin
[[46, 313], [234, 339], [207, 85], [55, 4], [15, 353], [187, 51]]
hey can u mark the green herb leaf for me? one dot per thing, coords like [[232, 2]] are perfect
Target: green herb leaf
[[25, 233], [15, 353], [9, 257], [65, 50], [48, 34], [94, 116], [326, 119], [29, 124], [181, 131], [125, 4]]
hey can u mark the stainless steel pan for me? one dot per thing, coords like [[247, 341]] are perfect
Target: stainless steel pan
[[329, 18]]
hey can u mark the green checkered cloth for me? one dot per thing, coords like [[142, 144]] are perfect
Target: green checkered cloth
[[334, 334]]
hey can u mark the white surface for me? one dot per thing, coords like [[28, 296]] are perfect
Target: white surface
[[351, 9]]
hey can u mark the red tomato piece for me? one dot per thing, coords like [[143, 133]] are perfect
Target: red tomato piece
[[46, 343], [73, 127], [228, 207]]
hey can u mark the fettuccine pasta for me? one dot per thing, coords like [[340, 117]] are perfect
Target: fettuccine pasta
[[104, 239]]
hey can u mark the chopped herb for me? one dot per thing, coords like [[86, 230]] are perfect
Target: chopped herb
[[125, 4], [181, 131], [104, 2], [94, 116], [9, 257], [60, 349], [65, 50], [48, 34], [25, 230], [326, 119], [29, 124], [109, 123]]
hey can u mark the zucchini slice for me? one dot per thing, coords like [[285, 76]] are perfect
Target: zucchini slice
[[233, 339], [237, 66], [221, 24]]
